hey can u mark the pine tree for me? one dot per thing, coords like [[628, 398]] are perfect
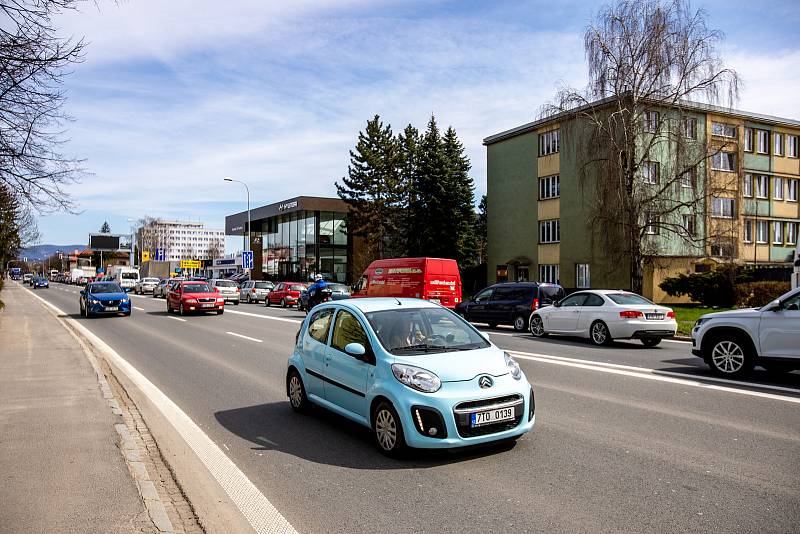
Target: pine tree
[[429, 212], [106, 228], [462, 200], [482, 230], [371, 190], [409, 170]]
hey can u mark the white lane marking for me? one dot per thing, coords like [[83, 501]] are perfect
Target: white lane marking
[[228, 310], [254, 506], [677, 341], [138, 308], [664, 376], [176, 318], [244, 337]]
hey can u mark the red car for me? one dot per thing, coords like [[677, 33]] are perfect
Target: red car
[[189, 296], [285, 294]]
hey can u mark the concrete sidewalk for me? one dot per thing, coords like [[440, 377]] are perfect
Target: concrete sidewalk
[[60, 467]]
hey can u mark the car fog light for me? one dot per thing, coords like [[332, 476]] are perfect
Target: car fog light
[[432, 431]]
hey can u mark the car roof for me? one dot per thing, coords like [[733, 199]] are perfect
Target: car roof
[[372, 304]]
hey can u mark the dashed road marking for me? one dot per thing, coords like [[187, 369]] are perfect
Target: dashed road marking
[[138, 308], [228, 310], [244, 337], [176, 318]]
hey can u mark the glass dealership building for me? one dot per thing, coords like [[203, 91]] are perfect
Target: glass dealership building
[[296, 239]]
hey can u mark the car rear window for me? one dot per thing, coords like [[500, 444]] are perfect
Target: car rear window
[[225, 283], [297, 288], [150, 280], [263, 285], [628, 298], [130, 276], [339, 287]]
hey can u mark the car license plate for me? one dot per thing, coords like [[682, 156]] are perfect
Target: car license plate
[[437, 301], [209, 305], [654, 316], [111, 308], [492, 416]]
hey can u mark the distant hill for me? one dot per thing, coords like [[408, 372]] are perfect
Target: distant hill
[[40, 252]]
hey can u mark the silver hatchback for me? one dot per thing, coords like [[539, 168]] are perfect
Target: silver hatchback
[[255, 290], [228, 289]]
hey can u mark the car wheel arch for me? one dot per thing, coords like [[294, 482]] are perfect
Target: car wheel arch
[[714, 333], [376, 400]]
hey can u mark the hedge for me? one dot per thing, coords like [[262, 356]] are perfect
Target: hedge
[[758, 294]]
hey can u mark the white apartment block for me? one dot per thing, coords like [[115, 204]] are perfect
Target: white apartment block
[[183, 240]]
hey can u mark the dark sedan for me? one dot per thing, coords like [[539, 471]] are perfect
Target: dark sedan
[[102, 298], [40, 282]]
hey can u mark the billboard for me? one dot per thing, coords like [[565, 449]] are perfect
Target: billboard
[[106, 242]]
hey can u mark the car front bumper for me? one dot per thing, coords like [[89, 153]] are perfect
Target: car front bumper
[[198, 308], [98, 309], [638, 329], [230, 296], [417, 411]]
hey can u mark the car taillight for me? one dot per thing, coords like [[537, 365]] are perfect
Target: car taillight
[[671, 314], [535, 305], [630, 314], [253, 290]]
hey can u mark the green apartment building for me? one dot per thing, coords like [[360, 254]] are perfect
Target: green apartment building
[[538, 216]]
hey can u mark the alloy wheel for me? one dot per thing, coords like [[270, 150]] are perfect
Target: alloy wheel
[[519, 323], [537, 326], [386, 429], [295, 392], [728, 356], [599, 333]]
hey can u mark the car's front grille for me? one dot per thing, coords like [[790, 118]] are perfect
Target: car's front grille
[[462, 414], [111, 302], [206, 300]]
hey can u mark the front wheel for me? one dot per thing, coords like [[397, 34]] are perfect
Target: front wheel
[[729, 356], [388, 430], [650, 342], [267, 303], [599, 334], [220, 312], [181, 311], [537, 326], [283, 303], [297, 393]]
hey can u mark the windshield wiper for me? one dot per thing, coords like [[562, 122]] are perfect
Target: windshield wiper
[[424, 348]]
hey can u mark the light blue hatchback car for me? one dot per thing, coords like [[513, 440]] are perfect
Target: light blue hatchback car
[[413, 371]]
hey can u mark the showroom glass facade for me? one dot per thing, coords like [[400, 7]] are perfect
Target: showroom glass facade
[[298, 245]]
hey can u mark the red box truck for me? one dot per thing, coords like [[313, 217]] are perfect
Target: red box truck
[[434, 279]]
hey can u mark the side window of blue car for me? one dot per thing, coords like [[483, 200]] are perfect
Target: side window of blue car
[[319, 324]]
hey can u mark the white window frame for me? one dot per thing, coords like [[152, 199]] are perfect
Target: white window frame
[[550, 231], [649, 168], [762, 141], [689, 178], [549, 187], [651, 226], [762, 186], [777, 144], [794, 146], [748, 139], [690, 128], [747, 185], [777, 233], [724, 161], [791, 189], [720, 252], [723, 129], [650, 121], [748, 231], [722, 207], [689, 224], [582, 276], [762, 232], [791, 233], [777, 188], [549, 142], [548, 273]]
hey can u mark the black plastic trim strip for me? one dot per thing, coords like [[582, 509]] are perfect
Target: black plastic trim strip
[[335, 383]]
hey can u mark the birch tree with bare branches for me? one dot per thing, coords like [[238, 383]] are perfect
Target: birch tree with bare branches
[[634, 128]]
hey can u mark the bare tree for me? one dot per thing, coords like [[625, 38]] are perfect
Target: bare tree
[[634, 131], [214, 250], [33, 63]]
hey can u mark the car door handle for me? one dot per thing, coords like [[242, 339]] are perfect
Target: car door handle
[[327, 358]]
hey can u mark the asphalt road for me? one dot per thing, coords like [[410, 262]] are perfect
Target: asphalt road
[[617, 447]]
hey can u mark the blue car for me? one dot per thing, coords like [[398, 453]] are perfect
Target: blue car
[[40, 282], [102, 298], [414, 372]]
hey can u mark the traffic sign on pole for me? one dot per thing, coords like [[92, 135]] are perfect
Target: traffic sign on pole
[[247, 259]]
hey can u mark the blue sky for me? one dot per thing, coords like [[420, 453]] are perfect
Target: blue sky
[[173, 96]]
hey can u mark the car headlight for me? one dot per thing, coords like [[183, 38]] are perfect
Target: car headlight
[[700, 321], [416, 378], [94, 301], [191, 301], [513, 366]]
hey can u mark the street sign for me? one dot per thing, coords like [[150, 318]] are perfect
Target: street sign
[[247, 259], [161, 254], [145, 255], [191, 264]]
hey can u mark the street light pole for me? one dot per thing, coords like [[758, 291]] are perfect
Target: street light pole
[[229, 179]]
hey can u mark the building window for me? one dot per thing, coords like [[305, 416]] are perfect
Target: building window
[[762, 186], [777, 233], [777, 188], [748, 139], [550, 231], [690, 128], [722, 207], [651, 224], [689, 178], [762, 231], [722, 249], [747, 185], [723, 161], [582, 276], [748, 231], [650, 172], [777, 144], [763, 141], [548, 142], [794, 146], [723, 130], [791, 233], [549, 187], [791, 186], [650, 120], [548, 274], [689, 224]]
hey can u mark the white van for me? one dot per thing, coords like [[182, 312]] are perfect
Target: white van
[[75, 275], [126, 277]]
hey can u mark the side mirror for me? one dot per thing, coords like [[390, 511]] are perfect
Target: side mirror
[[356, 350], [557, 304]]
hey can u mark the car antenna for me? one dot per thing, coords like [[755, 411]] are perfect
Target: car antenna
[[398, 301]]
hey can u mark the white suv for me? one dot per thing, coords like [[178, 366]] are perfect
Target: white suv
[[732, 342]]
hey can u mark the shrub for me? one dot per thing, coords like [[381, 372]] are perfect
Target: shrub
[[711, 288], [757, 294]]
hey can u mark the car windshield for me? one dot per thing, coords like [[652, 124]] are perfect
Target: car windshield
[[297, 288], [105, 288], [197, 288], [263, 285], [628, 298], [225, 283], [130, 276], [424, 330]]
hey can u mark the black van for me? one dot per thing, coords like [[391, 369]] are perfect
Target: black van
[[509, 303]]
